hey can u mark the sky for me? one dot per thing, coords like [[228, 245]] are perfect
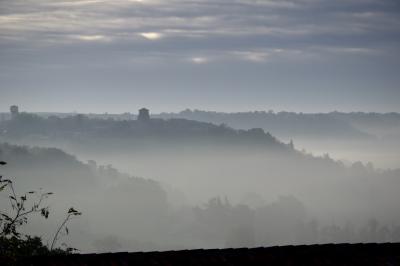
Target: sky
[[239, 55]]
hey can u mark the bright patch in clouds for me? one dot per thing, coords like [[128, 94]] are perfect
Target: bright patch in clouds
[[151, 35], [199, 60], [92, 37], [253, 56]]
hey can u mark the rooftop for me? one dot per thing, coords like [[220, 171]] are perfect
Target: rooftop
[[327, 254]]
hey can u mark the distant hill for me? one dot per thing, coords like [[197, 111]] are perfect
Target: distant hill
[[285, 124], [52, 168], [83, 128], [282, 124], [121, 211], [382, 125], [105, 196]]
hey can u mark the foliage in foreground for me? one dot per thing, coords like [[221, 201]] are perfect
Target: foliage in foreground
[[13, 244]]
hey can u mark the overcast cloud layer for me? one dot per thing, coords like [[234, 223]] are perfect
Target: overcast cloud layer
[[118, 55]]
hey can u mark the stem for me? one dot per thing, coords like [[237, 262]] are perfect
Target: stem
[[58, 231]]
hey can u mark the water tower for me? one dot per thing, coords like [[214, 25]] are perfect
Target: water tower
[[14, 111], [144, 115]]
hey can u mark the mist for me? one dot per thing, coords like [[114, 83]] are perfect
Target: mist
[[174, 125], [145, 183]]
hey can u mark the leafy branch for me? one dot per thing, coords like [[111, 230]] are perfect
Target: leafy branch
[[22, 208], [9, 222]]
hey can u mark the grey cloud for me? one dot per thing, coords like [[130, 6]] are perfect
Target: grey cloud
[[228, 43]]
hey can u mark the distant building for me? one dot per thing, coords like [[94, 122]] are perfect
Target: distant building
[[14, 111], [144, 115]]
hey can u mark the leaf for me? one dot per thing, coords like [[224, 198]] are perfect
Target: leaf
[[72, 210], [6, 217], [44, 212], [3, 186]]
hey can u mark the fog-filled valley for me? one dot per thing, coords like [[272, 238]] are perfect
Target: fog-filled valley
[[179, 181]]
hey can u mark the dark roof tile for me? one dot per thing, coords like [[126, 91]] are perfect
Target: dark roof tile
[[328, 254]]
